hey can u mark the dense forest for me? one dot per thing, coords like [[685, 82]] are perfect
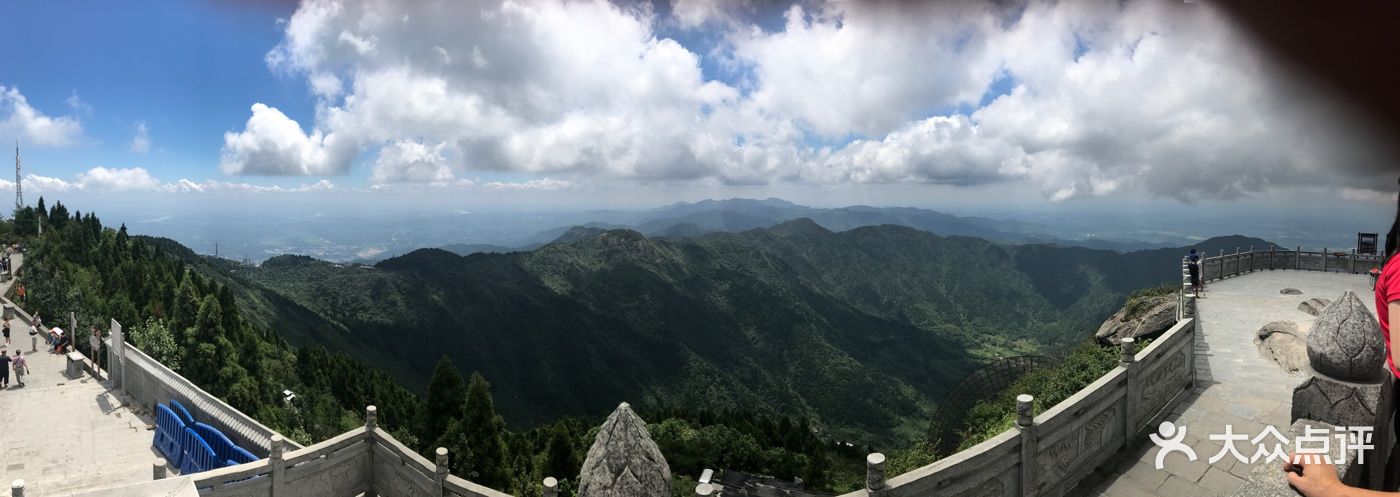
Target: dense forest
[[860, 331], [185, 311]]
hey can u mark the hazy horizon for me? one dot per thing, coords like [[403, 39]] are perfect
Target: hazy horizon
[[1100, 118]]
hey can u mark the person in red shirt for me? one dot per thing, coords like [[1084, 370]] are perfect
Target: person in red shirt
[[1385, 474]]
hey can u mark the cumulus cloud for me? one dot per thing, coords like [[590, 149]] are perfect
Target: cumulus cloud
[[273, 144], [21, 120], [1077, 98], [117, 180], [141, 143], [407, 161]]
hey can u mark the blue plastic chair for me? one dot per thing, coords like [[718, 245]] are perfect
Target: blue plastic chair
[[198, 457], [224, 449], [179, 409], [169, 430]]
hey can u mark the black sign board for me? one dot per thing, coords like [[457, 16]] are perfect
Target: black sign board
[[1366, 243]]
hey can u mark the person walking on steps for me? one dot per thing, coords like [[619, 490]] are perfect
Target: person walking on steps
[[21, 368], [4, 369]]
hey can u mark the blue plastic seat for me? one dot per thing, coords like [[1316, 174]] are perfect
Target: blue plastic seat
[[198, 457], [169, 431], [179, 409]]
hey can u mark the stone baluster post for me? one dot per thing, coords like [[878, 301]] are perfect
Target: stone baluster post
[[1298, 258], [440, 472], [1353, 261], [1025, 423], [158, 469], [17, 488], [875, 473], [1272, 250], [551, 487], [1250, 267], [1237, 263], [279, 466], [1324, 259], [371, 423], [702, 490], [1127, 360]]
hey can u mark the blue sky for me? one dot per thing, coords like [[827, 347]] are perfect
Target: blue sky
[[188, 70], [597, 104]]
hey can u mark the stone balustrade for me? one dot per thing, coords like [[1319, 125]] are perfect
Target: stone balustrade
[[1224, 265], [148, 382]]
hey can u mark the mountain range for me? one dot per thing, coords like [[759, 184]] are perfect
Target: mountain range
[[734, 215], [861, 331]]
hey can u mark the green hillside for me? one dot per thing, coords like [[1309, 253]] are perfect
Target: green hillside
[[861, 330]]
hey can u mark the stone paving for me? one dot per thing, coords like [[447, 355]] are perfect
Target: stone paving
[[1235, 385], [62, 435]]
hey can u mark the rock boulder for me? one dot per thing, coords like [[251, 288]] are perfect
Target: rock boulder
[[624, 461], [1314, 306], [1282, 343], [1345, 341], [1152, 315]]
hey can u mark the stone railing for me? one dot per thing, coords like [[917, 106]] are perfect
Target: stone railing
[[1224, 265], [365, 461], [148, 382], [1047, 455]]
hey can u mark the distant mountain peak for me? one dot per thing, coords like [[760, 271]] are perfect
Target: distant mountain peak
[[423, 258], [579, 233], [802, 226]]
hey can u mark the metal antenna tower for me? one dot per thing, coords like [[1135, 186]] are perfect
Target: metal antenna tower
[[19, 192]]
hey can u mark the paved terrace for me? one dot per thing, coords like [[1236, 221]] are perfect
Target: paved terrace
[[64, 436], [1235, 385]]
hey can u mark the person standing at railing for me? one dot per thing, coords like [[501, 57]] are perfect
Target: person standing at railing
[[1193, 265]]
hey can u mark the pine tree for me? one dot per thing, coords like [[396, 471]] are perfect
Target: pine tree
[[187, 304], [561, 457], [475, 440], [207, 347], [447, 397]]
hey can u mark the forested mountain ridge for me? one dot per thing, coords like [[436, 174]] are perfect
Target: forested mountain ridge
[[196, 315], [861, 330]]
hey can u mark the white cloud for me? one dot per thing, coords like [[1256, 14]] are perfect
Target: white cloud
[[117, 180], [1107, 97], [413, 162], [20, 120], [141, 143], [542, 184], [273, 144]]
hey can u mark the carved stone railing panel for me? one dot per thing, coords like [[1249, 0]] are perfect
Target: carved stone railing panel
[[1080, 433], [987, 468]]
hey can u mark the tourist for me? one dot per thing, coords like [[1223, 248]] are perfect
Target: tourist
[[21, 368], [23, 297], [60, 340], [1193, 264], [5, 330], [4, 369], [1320, 480], [38, 324], [1382, 469]]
